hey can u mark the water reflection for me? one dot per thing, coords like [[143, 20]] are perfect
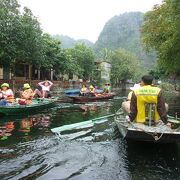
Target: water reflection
[[23, 127], [33, 152], [6, 130]]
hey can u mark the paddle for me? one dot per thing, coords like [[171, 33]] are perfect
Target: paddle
[[80, 125]]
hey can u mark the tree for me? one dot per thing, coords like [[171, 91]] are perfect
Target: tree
[[20, 35], [9, 24], [160, 31], [84, 59], [105, 54], [30, 39], [124, 66]]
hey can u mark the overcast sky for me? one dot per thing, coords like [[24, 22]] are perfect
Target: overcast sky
[[82, 19]]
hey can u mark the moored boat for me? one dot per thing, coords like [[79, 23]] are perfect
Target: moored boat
[[37, 105], [98, 97], [145, 132], [72, 92]]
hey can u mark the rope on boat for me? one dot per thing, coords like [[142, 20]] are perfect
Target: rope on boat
[[154, 135]]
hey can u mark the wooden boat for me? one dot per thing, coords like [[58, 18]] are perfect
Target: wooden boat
[[37, 105], [72, 92], [98, 97], [142, 132]]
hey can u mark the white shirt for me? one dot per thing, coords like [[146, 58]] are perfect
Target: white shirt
[[45, 88]]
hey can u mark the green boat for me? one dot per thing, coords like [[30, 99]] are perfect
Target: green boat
[[37, 105]]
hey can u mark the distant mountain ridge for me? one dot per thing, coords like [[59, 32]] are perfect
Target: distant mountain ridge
[[68, 42], [123, 31]]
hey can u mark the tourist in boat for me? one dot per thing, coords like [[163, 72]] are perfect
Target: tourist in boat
[[145, 95], [83, 90], [126, 104], [46, 86], [92, 90], [107, 88], [27, 94], [6, 95]]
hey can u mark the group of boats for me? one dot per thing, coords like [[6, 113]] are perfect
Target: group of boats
[[131, 131], [39, 104], [137, 131]]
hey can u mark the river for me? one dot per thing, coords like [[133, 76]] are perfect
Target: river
[[29, 150]]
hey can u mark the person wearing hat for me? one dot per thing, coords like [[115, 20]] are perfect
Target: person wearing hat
[[26, 95], [107, 88], [6, 95], [83, 90], [126, 105], [46, 86], [92, 90]]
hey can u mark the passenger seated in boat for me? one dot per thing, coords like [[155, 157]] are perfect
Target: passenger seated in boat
[[107, 88], [126, 104], [147, 94], [92, 90], [27, 94], [46, 86], [6, 95], [83, 91]]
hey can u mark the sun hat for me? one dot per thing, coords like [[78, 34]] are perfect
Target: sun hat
[[26, 86], [136, 86], [5, 85]]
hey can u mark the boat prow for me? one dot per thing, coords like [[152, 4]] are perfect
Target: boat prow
[[142, 132]]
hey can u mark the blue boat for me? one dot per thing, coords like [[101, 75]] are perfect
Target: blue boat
[[70, 92]]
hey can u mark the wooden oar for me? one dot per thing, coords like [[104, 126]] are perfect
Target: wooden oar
[[80, 125]]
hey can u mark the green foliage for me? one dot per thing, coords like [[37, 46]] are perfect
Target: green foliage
[[123, 31], [10, 23], [83, 58], [124, 66], [160, 31], [20, 35], [22, 40], [105, 55]]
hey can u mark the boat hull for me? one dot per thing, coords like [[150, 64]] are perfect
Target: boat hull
[[37, 105], [73, 92], [130, 133], [92, 99]]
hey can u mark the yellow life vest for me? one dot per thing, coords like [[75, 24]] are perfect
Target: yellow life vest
[[146, 95]]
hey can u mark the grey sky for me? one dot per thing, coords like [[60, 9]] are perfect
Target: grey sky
[[82, 19]]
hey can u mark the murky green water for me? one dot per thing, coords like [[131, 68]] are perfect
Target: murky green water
[[28, 149]]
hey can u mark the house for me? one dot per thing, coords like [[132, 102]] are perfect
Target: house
[[103, 71], [25, 71]]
